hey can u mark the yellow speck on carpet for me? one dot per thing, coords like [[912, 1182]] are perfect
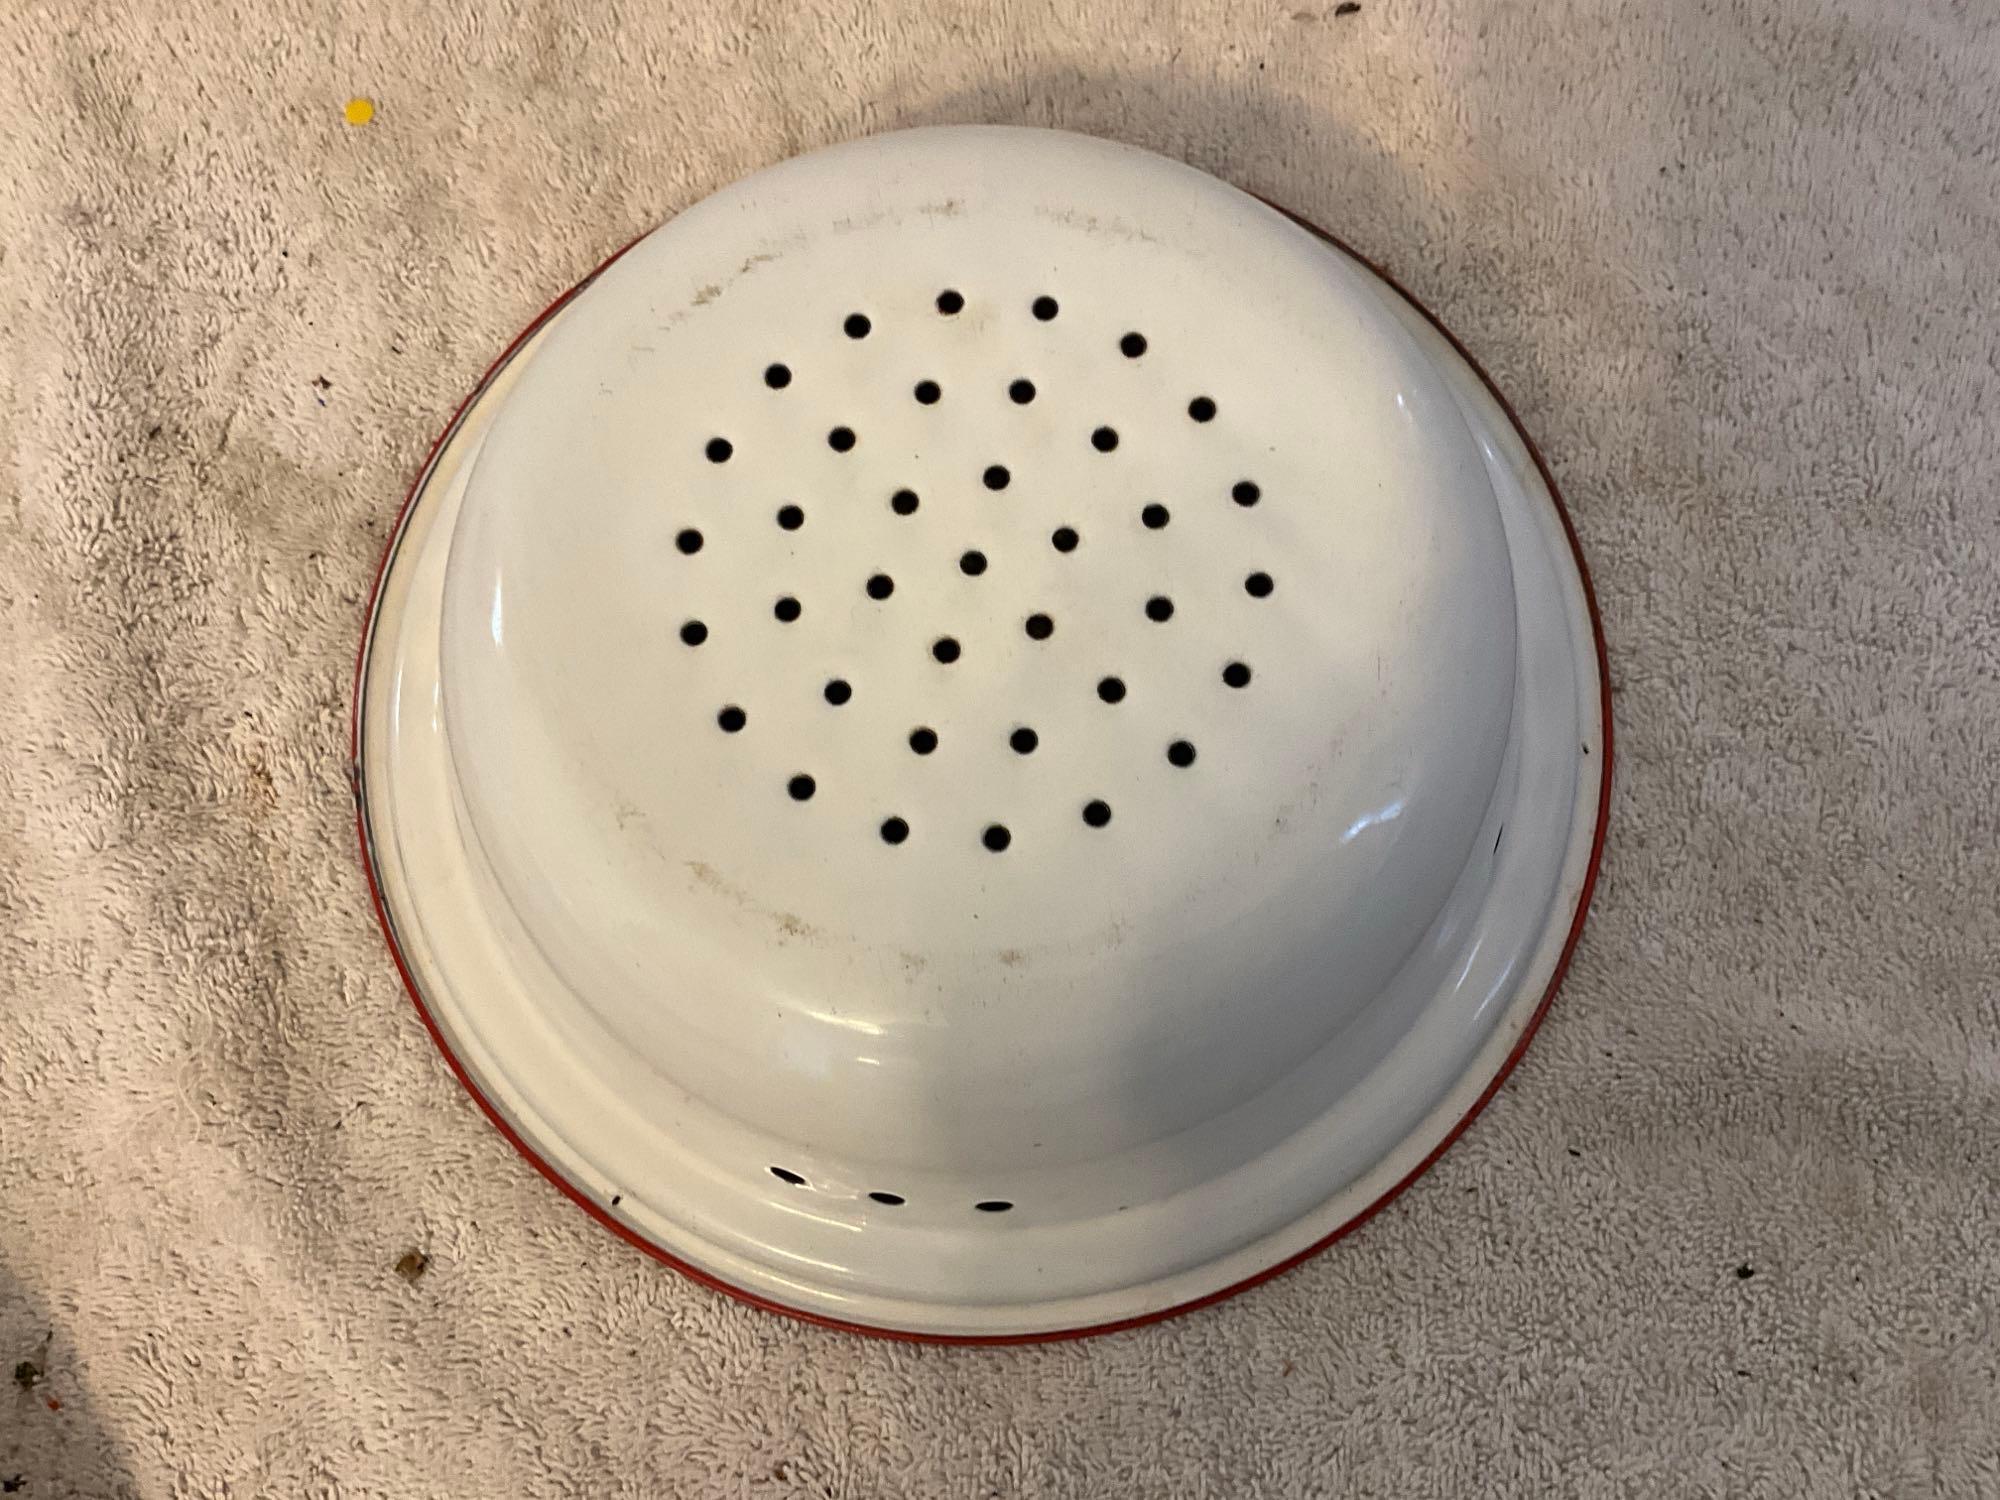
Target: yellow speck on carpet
[[359, 111]]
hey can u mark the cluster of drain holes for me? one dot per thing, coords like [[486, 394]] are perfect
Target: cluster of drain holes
[[892, 1200], [945, 649]]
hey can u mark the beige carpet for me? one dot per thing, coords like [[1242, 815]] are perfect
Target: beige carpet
[[1732, 1229]]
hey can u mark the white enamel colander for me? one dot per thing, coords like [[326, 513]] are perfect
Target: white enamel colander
[[982, 736]]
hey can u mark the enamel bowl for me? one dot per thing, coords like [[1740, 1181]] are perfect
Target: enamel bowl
[[982, 736]]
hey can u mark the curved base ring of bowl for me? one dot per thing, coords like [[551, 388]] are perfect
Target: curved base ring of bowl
[[411, 851]]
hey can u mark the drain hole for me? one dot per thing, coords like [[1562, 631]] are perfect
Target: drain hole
[[838, 691], [945, 649], [1063, 539], [1104, 439], [996, 477], [995, 1205], [904, 502], [949, 302], [1024, 740], [1245, 493], [777, 377], [841, 439], [1155, 516], [927, 392], [972, 564], [785, 1176], [1132, 345], [786, 609], [1236, 674], [857, 325], [689, 541], [802, 787], [894, 1200], [1039, 627], [894, 831], [1202, 409], [732, 719], [1112, 690], [1021, 392], [923, 741], [1159, 609], [791, 517], [1258, 585], [1097, 813], [1045, 308], [694, 633], [881, 586], [1181, 753], [718, 450], [996, 837]]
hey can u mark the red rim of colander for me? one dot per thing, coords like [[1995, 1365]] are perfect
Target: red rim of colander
[[625, 1232]]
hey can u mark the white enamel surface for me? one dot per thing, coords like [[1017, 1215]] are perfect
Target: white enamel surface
[[1183, 1046]]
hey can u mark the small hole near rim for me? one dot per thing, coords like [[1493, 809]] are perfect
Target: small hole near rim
[[993, 1206], [784, 1174], [893, 1200]]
